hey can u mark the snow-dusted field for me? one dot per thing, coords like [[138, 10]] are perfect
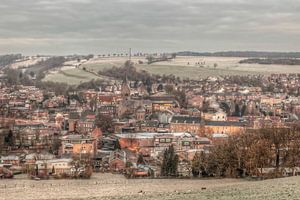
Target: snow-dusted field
[[188, 67], [27, 62], [182, 66], [107, 186]]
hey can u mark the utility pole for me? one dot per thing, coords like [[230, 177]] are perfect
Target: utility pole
[[129, 54]]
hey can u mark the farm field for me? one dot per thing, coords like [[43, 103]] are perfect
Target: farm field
[[71, 76], [108, 186], [184, 67], [188, 67]]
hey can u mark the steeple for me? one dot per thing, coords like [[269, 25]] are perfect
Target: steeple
[[126, 79], [125, 90]]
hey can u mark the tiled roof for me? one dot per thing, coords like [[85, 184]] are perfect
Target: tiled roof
[[225, 123], [185, 119], [74, 115]]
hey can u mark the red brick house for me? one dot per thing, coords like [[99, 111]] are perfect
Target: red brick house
[[117, 161]]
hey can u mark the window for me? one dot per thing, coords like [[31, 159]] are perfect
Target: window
[[168, 140], [162, 140], [185, 143]]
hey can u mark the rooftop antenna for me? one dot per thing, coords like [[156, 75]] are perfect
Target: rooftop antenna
[[129, 54]]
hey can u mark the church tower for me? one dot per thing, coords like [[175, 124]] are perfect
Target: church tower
[[125, 89]]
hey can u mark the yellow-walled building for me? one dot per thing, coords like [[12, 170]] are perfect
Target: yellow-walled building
[[79, 144], [226, 127]]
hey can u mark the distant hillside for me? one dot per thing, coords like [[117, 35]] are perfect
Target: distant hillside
[[47, 64], [249, 54], [9, 59]]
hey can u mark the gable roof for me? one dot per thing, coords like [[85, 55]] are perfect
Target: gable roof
[[96, 133]]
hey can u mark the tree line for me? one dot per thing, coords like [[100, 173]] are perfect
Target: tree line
[[248, 154], [249, 54], [129, 71], [271, 61], [245, 155]]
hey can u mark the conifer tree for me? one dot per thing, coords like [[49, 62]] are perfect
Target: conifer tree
[[170, 162]]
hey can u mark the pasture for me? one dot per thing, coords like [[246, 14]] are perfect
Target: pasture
[[184, 67], [71, 76], [109, 186]]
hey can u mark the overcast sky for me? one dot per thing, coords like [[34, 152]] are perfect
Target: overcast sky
[[102, 26]]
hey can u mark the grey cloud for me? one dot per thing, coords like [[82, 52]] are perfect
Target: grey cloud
[[96, 26]]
